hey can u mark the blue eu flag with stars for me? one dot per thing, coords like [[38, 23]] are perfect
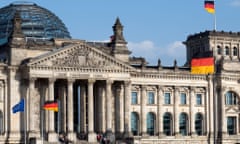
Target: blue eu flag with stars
[[19, 107]]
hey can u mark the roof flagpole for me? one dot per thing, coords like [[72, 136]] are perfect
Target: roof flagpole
[[215, 18]]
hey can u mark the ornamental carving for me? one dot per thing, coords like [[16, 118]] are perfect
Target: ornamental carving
[[80, 57]]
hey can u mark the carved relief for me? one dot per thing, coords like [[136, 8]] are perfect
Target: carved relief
[[80, 57]]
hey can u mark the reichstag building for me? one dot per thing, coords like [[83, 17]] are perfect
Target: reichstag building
[[101, 89]]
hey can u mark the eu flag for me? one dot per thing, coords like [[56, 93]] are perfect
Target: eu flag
[[19, 107]]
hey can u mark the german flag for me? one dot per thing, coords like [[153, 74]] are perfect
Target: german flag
[[209, 6], [51, 106], [202, 65]]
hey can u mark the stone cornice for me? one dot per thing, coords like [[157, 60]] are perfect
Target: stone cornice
[[170, 76]]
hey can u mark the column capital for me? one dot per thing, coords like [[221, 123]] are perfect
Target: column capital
[[91, 81], [51, 80], [32, 79], [70, 80], [109, 81], [127, 83], [144, 87]]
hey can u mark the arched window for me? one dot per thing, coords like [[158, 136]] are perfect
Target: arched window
[[134, 123], [150, 123], [219, 51], [1, 123], [167, 124], [226, 50], [183, 124], [235, 51], [231, 98], [199, 124]]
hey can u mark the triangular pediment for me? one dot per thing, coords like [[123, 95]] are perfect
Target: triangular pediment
[[79, 56], [232, 110]]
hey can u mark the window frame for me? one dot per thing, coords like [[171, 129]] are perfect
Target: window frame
[[183, 98], [151, 97], [167, 98], [199, 99], [134, 98]]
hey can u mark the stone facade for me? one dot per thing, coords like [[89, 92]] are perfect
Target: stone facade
[[100, 88]]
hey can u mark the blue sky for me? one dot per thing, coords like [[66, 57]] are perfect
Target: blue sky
[[153, 28]]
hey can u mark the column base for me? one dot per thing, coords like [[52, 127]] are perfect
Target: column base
[[72, 136], [33, 134], [144, 134], [15, 136], [52, 137], [92, 137], [127, 134], [161, 135]]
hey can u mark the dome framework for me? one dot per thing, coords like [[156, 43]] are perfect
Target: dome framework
[[36, 21]]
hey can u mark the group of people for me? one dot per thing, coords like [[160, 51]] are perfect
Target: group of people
[[102, 139], [63, 139]]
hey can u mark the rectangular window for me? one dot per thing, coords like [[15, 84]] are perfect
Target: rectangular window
[[183, 99], [231, 125], [199, 99], [150, 97], [167, 98], [134, 98]]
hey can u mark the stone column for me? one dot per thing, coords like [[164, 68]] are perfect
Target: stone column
[[176, 108], [127, 128], [160, 114], [83, 129], [109, 104], [119, 110], [63, 93], [70, 113], [103, 108], [91, 134], [143, 110], [52, 135], [192, 114]]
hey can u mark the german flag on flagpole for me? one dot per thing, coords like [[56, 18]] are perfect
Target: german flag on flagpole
[[51, 106], [202, 65], [209, 6]]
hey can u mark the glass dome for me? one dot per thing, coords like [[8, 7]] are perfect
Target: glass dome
[[36, 21]]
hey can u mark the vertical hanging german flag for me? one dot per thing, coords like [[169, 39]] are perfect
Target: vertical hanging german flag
[[52, 106], [209, 6], [202, 65]]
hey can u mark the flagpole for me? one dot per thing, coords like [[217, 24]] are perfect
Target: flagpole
[[215, 18], [24, 118], [42, 118]]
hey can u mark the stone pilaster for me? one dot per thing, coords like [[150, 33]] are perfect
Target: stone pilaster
[[176, 113], [160, 114], [192, 115], [143, 110], [32, 106], [223, 115], [15, 119]]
